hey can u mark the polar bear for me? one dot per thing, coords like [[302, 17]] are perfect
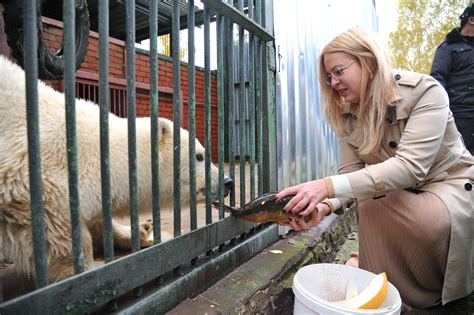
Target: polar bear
[[15, 216]]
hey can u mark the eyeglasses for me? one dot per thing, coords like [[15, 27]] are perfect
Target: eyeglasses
[[337, 73]]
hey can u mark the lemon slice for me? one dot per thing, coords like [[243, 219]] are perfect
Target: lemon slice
[[371, 297]]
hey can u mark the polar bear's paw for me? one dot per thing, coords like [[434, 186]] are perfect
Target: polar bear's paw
[[146, 233]]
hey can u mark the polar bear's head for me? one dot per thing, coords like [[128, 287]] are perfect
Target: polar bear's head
[[166, 166]]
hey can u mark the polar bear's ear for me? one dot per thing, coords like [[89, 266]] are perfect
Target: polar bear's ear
[[165, 128]]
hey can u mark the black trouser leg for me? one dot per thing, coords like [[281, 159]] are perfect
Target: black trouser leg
[[466, 128]]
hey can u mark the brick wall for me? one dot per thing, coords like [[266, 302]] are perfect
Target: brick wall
[[117, 56]]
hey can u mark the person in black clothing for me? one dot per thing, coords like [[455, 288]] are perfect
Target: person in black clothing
[[453, 67]]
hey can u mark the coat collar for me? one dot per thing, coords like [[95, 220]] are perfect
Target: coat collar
[[455, 37], [405, 79]]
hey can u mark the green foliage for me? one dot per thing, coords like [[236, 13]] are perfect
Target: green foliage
[[422, 26]]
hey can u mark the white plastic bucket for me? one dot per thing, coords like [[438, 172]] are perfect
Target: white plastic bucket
[[315, 285]]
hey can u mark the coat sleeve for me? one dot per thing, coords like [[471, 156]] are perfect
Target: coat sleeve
[[419, 144], [441, 66], [349, 161]]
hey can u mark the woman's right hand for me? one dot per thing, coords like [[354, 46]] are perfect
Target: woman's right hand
[[316, 216], [306, 197]]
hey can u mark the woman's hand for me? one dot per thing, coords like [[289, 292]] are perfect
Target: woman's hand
[[316, 216], [307, 196]]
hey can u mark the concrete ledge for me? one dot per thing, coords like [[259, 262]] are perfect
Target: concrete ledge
[[263, 284]]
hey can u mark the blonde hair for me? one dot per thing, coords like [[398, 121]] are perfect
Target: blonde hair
[[378, 88]]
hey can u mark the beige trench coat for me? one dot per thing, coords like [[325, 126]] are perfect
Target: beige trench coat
[[421, 149]]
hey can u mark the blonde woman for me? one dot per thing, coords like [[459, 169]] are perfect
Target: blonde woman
[[403, 161]]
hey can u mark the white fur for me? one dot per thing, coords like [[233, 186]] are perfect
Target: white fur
[[15, 216]]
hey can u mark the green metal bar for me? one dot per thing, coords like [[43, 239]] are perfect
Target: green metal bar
[[252, 95], [251, 102], [207, 110], [242, 116], [220, 107], [176, 119], [265, 127], [250, 10], [71, 135], [155, 149], [258, 95], [108, 239], [132, 132], [258, 12], [225, 95], [258, 106], [231, 102], [80, 294], [238, 18], [192, 117], [269, 112], [251, 107], [202, 277], [30, 42]]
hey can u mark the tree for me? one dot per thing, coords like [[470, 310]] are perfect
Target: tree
[[422, 26]]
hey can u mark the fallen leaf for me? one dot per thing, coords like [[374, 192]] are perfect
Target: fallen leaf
[[275, 251]]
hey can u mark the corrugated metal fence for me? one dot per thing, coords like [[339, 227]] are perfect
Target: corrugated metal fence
[[307, 147]]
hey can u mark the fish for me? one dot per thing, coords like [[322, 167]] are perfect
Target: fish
[[264, 208]]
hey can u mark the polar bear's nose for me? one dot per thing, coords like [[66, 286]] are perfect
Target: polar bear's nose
[[228, 185]]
